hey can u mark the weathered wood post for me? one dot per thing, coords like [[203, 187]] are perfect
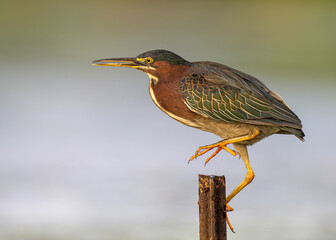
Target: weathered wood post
[[212, 207]]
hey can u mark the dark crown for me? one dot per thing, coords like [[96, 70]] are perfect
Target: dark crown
[[164, 55]]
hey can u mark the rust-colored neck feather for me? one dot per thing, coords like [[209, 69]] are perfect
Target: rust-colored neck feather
[[166, 94]]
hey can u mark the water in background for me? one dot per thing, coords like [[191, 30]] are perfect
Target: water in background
[[85, 154]]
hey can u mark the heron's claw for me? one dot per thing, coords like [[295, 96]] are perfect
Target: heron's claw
[[204, 149], [228, 209]]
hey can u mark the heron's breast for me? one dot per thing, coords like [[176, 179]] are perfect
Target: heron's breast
[[169, 100]]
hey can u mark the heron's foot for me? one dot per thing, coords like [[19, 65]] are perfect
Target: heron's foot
[[228, 209], [204, 149]]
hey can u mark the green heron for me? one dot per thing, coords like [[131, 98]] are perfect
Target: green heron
[[235, 106]]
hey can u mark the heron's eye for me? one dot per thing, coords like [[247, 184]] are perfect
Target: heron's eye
[[149, 60]]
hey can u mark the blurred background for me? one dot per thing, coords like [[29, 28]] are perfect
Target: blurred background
[[85, 154]]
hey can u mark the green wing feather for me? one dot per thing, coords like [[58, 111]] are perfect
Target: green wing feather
[[231, 103]]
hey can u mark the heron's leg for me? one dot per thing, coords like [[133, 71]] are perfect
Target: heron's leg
[[222, 145], [208, 148], [242, 149]]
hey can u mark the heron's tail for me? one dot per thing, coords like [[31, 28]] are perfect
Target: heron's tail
[[297, 132]]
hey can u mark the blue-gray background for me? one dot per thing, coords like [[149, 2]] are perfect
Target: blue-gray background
[[85, 154]]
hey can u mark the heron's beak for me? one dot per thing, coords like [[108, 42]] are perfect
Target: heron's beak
[[120, 62]]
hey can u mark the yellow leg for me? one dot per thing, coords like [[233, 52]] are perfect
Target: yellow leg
[[207, 148], [242, 150], [249, 177], [222, 145]]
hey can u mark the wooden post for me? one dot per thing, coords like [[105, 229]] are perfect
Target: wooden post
[[212, 207]]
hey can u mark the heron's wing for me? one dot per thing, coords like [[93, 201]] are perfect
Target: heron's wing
[[229, 101], [221, 74]]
